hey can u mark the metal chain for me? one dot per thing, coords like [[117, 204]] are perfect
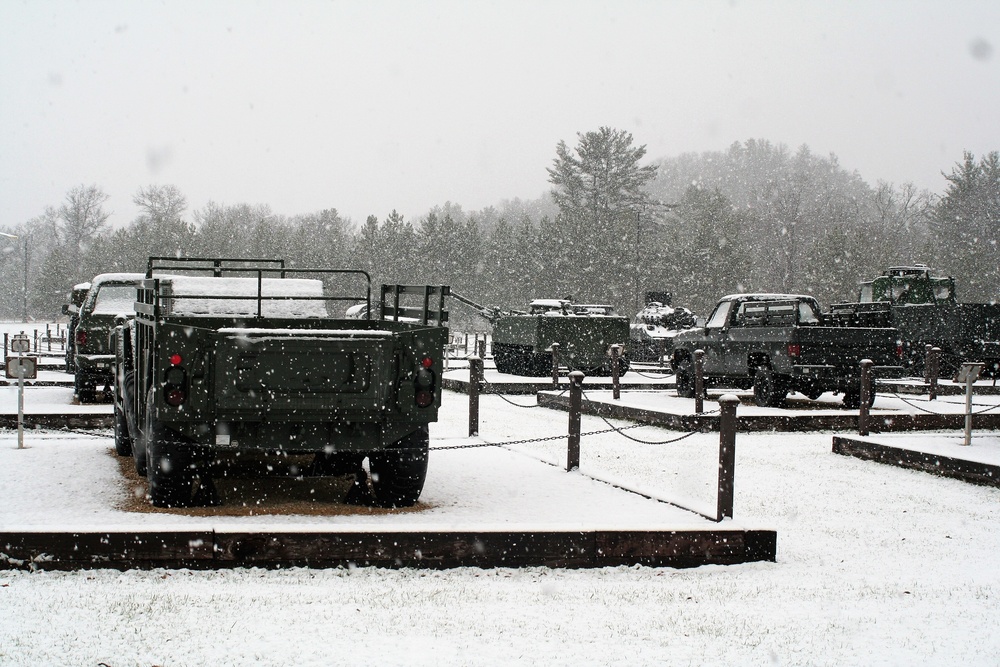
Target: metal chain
[[910, 402], [649, 442], [530, 440]]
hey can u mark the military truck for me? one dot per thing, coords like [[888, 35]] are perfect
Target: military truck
[[522, 340], [109, 295], [778, 343], [924, 308], [77, 296], [231, 357]]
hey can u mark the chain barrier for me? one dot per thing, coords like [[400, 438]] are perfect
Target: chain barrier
[[658, 376], [912, 404], [531, 440], [650, 442]]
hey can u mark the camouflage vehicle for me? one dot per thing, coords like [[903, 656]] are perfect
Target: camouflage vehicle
[[654, 328], [110, 295], [76, 298], [522, 341], [226, 358], [925, 309]]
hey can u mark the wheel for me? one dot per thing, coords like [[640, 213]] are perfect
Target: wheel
[[398, 473], [684, 377], [123, 441], [852, 399], [169, 471], [769, 388], [82, 387], [812, 392]]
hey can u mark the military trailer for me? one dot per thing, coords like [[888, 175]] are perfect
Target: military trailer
[[522, 341], [226, 357], [109, 296], [926, 311]]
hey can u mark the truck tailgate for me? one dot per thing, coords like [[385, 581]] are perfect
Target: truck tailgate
[[301, 371]]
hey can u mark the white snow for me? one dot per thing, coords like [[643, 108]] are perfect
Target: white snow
[[876, 565], [245, 290]]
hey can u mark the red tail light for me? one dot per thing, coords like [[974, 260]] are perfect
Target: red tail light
[[899, 351], [81, 337], [175, 397], [794, 350], [176, 359], [426, 362]]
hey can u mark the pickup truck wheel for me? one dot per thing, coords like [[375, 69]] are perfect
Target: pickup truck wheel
[[684, 377], [398, 473], [169, 472], [852, 399], [769, 388], [123, 442]]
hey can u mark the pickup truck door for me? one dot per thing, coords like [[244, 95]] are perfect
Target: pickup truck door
[[717, 340]]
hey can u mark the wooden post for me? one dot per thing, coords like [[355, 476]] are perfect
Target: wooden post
[[933, 369], [699, 381], [866, 392], [481, 348], [727, 456], [927, 363], [575, 408], [555, 364], [616, 390], [475, 382]]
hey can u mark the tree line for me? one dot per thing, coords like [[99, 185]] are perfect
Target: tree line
[[756, 217]]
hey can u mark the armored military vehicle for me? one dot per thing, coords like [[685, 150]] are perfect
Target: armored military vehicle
[[924, 308], [522, 340], [654, 328], [228, 357], [109, 295]]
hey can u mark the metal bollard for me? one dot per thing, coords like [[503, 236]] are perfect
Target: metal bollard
[[475, 383], [866, 393], [555, 364], [727, 456], [575, 408], [616, 390], [933, 370], [699, 381]]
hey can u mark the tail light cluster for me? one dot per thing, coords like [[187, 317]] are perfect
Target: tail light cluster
[[900, 352], [425, 383], [81, 337], [175, 381], [795, 350]]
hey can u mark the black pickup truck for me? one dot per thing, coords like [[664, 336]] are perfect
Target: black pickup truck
[[778, 343]]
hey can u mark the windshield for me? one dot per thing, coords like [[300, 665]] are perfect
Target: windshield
[[720, 315], [114, 299]]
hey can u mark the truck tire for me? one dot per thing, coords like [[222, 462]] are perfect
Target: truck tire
[[769, 388], [123, 441], [85, 391], [398, 473], [169, 471], [684, 378], [852, 399]]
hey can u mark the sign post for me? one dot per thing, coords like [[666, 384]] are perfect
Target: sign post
[[969, 373], [26, 367]]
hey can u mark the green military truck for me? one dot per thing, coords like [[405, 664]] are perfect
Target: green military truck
[[522, 341], [778, 343], [226, 357], [108, 296], [77, 296], [924, 308]]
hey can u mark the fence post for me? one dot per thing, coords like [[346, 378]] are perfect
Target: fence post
[[475, 382], [575, 407], [727, 456], [481, 347], [865, 397], [555, 364], [927, 362], [661, 346], [699, 381], [616, 353], [933, 369]]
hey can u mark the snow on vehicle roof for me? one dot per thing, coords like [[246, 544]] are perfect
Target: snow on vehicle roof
[[550, 303], [117, 278], [81, 286], [191, 287], [767, 296]]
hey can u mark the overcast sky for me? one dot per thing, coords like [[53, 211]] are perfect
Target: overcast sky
[[372, 106]]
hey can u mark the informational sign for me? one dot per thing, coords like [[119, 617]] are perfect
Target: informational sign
[[969, 372], [15, 365], [20, 344]]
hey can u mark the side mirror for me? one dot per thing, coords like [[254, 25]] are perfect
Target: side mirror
[[65, 309]]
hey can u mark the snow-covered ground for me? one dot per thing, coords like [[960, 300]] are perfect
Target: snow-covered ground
[[876, 565]]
